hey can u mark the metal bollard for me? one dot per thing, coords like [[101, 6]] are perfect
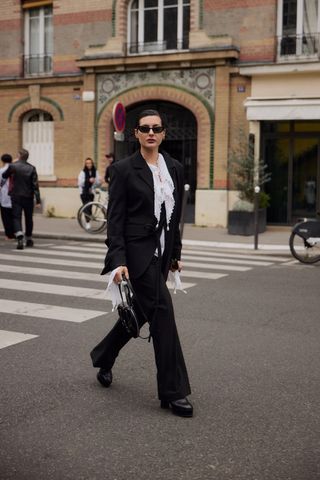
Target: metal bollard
[[256, 216], [183, 207]]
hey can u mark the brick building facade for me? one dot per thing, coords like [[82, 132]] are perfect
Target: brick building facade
[[64, 64]]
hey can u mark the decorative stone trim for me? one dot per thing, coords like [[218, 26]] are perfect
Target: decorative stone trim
[[201, 109], [46, 104]]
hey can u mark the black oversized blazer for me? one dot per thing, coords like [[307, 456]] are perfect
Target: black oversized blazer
[[132, 235]]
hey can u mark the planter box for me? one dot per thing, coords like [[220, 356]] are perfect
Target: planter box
[[242, 223]]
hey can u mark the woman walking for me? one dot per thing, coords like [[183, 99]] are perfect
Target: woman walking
[[144, 243], [88, 179]]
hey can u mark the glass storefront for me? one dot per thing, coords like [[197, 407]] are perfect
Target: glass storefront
[[292, 153]]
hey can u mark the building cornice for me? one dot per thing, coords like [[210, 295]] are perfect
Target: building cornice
[[280, 69], [188, 59], [53, 80]]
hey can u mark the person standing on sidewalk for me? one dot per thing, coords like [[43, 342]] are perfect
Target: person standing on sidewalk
[[5, 199], [145, 196], [25, 187], [110, 158], [88, 178]]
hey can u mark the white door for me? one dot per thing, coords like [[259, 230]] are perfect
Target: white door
[[38, 129]]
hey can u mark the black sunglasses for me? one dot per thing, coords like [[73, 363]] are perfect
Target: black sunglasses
[[154, 128]]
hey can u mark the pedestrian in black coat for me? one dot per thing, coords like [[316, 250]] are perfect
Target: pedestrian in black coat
[[25, 189], [145, 197]]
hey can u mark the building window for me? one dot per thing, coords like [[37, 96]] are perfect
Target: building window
[[38, 41], [298, 28], [158, 25]]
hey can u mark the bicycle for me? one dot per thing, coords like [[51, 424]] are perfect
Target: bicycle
[[92, 216], [304, 240]]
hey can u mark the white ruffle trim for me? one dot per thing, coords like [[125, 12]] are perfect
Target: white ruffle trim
[[163, 189], [175, 280]]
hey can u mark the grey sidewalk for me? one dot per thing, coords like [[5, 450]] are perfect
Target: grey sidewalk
[[274, 239]]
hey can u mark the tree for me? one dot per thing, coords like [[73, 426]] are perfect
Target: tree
[[246, 174]]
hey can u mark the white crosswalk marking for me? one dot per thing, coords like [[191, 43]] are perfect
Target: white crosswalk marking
[[39, 310], [204, 252], [67, 274], [62, 253], [92, 277], [216, 266], [11, 338], [51, 288], [52, 261], [75, 262]]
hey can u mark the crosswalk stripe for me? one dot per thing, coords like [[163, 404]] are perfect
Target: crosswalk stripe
[[59, 253], [69, 274], [227, 260], [52, 289], [233, 268], [49, 288], [51, 312], [88, 264], [74, 263], [235, 255], [233, 245], [52, 261], [188, 251], [45, 272], [102, 249], [11, 338], [206, 275]]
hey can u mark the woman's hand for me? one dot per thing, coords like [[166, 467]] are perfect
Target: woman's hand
[[120, 271], [176, 265]]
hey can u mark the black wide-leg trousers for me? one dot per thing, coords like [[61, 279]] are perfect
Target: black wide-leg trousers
[[172, 376]]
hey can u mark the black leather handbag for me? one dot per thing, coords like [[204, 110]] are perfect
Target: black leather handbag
[[126, 310]]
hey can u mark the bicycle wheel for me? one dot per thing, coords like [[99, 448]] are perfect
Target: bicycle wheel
[[92, 217], [306, 251]]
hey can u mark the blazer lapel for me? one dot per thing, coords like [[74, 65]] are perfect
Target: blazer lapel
[[143, 170]]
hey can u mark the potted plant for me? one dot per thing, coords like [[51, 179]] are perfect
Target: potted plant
[[246, 174]]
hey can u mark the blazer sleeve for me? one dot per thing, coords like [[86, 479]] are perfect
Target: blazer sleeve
[[116, 217], [177, 244]]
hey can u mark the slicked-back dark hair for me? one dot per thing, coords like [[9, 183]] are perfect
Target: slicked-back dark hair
[[150, 112]]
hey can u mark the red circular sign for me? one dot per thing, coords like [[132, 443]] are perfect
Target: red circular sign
[[119, 117]]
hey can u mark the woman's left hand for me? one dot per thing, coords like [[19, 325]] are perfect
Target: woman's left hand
[[177, 266]]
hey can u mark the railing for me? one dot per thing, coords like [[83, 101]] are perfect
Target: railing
[[298, 45], [157, 47], [37, 64]]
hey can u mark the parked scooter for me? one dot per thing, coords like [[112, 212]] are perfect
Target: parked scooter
[[305, 240]]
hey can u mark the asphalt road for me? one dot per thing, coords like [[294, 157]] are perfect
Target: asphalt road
[[251, 342]]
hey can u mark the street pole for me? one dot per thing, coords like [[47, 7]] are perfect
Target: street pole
[[256, 216], [183, 207]]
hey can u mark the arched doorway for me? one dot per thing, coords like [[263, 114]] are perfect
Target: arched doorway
[[37, 138], [180, 143]]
